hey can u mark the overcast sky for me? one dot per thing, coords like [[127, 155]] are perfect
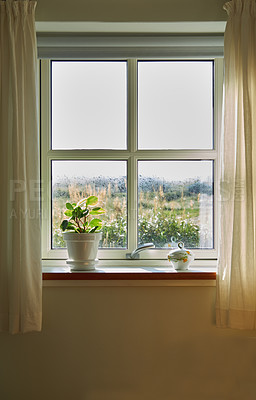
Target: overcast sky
[[89, 105]]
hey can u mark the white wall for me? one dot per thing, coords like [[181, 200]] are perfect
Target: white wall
[[129, 343]]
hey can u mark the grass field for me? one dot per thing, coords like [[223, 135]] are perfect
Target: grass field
[[173, 212]]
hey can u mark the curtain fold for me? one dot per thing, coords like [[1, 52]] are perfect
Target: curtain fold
[[236, 277], [20, 252]]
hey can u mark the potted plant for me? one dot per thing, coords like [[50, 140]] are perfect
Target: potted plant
[[83, 234]]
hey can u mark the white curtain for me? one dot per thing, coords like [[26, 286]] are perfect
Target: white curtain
[[236, 277], [20, 265]]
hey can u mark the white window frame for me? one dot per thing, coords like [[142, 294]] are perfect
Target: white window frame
[[151, 257]]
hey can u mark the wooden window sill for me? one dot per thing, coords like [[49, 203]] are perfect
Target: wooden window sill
[[138, 274]]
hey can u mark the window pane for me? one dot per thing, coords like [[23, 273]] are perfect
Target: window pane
[[176, 203], [175, 105], [74, 180], [89, 105]]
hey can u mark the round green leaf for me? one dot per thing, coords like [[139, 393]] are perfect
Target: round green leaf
[[95, 222], [64, 224], [69, 206], [91, 201], [97, 211], [68, 213]]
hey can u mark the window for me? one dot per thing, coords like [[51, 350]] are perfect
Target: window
[[142, 136]]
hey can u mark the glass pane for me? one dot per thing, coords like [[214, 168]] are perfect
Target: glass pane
[[89, 105], [74, 180], [175, 105], [176, 203]]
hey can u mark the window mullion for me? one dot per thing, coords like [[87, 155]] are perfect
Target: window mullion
[[132, 147], [132, 105]]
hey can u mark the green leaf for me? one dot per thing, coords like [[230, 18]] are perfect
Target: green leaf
[[91, 201], [64, 224], [67, 225], [71, 227], [69, 206], [95, 222], [77, 212], [68, 213], [97, 211]]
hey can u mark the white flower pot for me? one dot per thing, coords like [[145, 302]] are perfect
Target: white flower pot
[[82, 250]]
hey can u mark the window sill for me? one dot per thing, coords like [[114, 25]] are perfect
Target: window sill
[[123, 276]]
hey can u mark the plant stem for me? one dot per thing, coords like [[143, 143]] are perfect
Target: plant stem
[[79, 227]]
